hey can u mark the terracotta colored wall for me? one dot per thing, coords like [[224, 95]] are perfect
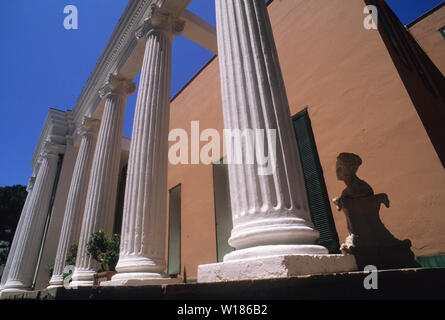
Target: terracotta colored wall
[[357, 103], [200, 101], [423, 81], [427, 34]]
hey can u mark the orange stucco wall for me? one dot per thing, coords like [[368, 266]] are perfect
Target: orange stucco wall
[[357, 103], [427, 34]]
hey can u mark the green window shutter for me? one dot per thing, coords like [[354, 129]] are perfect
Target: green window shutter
[[223, 210], [432, 262], [174, 232], [315, 186]]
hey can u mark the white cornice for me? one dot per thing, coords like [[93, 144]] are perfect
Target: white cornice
[[118, 48], [58, 125]]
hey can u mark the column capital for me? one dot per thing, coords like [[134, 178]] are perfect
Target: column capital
[[160, 20], [51, 149], [117, 86], [89, 126]]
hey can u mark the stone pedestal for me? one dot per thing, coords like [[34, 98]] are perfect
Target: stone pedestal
[[102, 187], [72, 220], [26, 253], [142, 252], [270, 212], [283, 266]]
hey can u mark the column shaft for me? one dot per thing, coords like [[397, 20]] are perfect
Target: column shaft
[[26, 253], [102, 187], [18, 232], [269, 209], [75, 206], [143, 236], [142, 252]]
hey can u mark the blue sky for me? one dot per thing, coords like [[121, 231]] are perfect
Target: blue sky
[[44, 65]]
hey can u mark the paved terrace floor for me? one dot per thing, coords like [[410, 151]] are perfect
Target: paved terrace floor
[[392, 284]]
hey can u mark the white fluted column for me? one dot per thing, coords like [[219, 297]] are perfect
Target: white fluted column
[[24, 263], [142, 252], [270, 212], [72, 220], [267, 209], [102, 187], [18, 232]]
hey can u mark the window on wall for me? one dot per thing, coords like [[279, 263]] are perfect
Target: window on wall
[[119, 212], [174, 231], [442, 31], [56, 180], [315, 185], [223, 211]]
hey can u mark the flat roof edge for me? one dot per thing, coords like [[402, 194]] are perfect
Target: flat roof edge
[[426, 14]]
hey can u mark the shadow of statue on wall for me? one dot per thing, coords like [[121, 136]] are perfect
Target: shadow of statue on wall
[[369, 240]]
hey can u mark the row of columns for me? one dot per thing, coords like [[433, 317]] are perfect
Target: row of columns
[[72, 221], [23, 259], [270, 213]]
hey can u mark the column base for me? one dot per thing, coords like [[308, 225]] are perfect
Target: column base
[[275, 250], [83, 278], [283, 266], [55, 282], [139, 279], [75, 284], [83, 283], [10, 292], [13, 287], [54, 286]]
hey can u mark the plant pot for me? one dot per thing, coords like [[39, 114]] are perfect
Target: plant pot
[[103, 276]]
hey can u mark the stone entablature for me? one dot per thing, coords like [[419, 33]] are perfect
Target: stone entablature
[[57, 129]]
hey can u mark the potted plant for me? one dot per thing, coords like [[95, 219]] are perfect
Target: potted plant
[[105, 250]]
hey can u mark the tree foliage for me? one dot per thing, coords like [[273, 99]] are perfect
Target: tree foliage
[[12, 200], [4, 250]]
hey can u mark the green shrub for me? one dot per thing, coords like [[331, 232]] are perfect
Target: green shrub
[[104, 249]]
